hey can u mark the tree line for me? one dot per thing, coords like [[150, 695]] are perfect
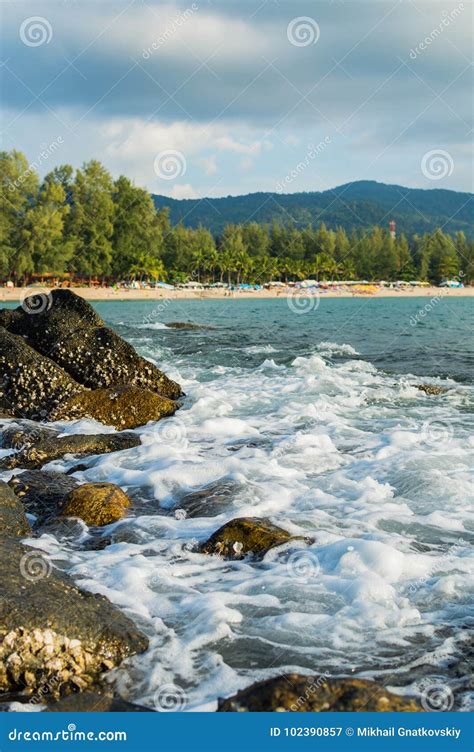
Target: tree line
[[86, 224]]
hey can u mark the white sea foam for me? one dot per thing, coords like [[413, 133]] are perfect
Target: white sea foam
[[330, 449]]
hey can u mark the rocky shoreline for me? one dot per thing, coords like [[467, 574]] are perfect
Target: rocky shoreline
[[60, 362]]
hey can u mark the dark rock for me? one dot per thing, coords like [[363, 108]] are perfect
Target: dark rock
[[246, 535], [122, 407], [431, 389], [53, 448], [18, 436], [71, 333], [30, 383], [316, 694], [187, 325], [54, 636], [96, 503], [209, 501], [13, 522], [92, 702], [41, 493]]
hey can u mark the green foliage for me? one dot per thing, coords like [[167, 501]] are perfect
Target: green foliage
[[86, 223]]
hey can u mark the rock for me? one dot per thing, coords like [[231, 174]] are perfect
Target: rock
[[27, 433], [54, 448], [42, 494], [121, 407], [246, 535], [92, 702], [13, 522], [55, 638], [68, 330], [187, 325], [297, 693], [431, 388], [96, 503], [30, 383], [208, 501]]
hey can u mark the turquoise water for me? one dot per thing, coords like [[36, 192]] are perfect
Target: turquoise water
[[314, 421], [416, 335]]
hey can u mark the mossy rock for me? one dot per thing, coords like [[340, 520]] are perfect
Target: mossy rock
[[246, 535], [96, 503], [54, 448], [13, 522], [42, 494], [317, 694], [52, 634], [31, 384], [431, 389], [187, 325], [68, 330], [122, 407], [93, 702]]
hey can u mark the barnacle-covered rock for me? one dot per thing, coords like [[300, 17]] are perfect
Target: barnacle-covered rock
[[55, 638], [316, 694]]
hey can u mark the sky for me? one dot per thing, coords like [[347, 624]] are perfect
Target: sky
[[226, 97]]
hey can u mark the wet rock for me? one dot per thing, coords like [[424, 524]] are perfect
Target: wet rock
[[122, 407], [208, 501], [187, 325], [297, 693], [96, 503], [431, 388], [246, 535], [54, 448], [55, 638], [25, 434], [69, 331], [13, 522], [41, 493], [92, 702], [30, 383]]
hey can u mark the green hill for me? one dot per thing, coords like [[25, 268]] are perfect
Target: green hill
[[360, 204]]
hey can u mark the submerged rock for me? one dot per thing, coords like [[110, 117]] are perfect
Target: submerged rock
[[92, 702], [96, 503], [31, 384], [208, 501], [54, 448], [187, 325], [122, 407], [316, 694], [246, 535], [41, 493], [67, 329], [431, 389], [55, 638], [13, 522]]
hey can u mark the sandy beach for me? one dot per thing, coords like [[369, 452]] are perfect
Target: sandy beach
[[16, 294]]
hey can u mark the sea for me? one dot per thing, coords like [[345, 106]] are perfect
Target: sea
[[307, 413]]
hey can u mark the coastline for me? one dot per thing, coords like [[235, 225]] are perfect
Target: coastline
[[15, 294]]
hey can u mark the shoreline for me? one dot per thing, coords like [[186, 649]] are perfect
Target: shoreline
[[16, 294]]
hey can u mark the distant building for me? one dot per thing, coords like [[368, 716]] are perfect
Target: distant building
[[393, 229]]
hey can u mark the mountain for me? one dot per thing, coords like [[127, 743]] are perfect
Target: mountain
[[363, 203]]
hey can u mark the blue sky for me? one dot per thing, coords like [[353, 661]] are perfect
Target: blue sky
[[226, 97]]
